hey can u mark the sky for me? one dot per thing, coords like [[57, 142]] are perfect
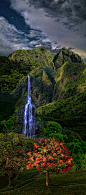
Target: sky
[[54, 24]]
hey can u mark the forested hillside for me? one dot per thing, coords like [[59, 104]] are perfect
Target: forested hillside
[[58, 83]]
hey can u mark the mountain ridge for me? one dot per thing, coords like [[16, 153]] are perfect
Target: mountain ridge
[[54, 77]]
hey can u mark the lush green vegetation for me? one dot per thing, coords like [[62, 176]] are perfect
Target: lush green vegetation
[[66, 55], [6, 111], [9, 82], [69, 113], [70, 80], [42, 82], [9, 75], [27, 60]]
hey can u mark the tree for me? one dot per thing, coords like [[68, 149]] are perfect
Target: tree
[[12, 163], [8, 125], [13, 154], [50, 155], [52, 127]]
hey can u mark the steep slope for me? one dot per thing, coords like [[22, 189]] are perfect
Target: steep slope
[[60, 79], [66, 55], [42, 83], [22, 62], [9, 76], [70, 79], [70, 113]]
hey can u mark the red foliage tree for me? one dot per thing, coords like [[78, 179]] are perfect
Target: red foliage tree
[[50, 155]]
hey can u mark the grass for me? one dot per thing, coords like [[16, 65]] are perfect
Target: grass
[[71, 183]]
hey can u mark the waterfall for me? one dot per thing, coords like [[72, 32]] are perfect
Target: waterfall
[[29, 115]]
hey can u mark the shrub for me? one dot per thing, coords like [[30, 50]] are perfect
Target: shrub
[[52, 127]]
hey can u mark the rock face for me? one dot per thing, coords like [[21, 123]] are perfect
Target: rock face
[[65, 55]]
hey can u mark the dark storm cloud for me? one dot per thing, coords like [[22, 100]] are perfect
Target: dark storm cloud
[[84, 35], [71, 48], [26, 24], [74, 11], [69, 12]]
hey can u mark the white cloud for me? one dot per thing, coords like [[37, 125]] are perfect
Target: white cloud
[[37, 42], [33, 33], [10, 38], [19, 5], [5, 27]]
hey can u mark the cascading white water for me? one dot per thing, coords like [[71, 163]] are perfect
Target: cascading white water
[[29, 115]]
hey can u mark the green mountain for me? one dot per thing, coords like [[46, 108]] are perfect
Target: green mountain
[[70, 79], [58, 85], [66, 55], [27, 60]]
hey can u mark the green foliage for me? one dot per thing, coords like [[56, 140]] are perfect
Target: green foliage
[[2, 137], [9, 82], [65, 55], [29, 144], [69, 80], [40, 126], [15, 140], [20, 63], [7, 126], [52, 127], [20, 90], [10, 136], [5, 66], [71, 69], [34, 100], [26, 60], [58, 136], [53, 77], [42, 82], [69, 113], [75, 147], [78, 151], [6, 109], [71, 136]]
